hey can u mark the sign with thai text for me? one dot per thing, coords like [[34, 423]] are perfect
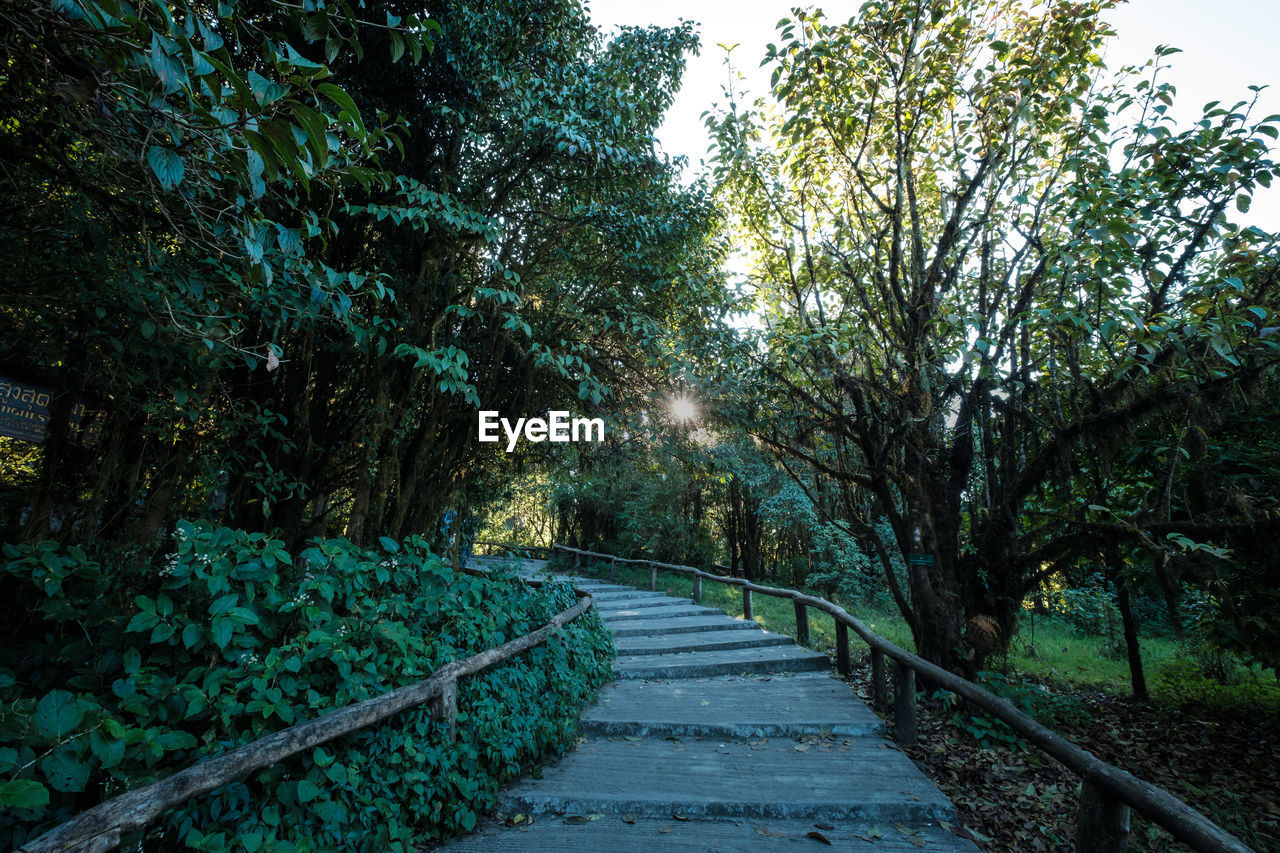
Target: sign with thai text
[[24, 411]]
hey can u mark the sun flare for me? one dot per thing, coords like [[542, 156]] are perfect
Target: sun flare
[[683, 408]]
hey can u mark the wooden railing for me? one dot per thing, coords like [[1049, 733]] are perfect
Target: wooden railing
[[1108, 792], [515, 549], [100, 828]]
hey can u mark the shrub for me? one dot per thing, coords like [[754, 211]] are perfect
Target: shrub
[[235, 638], [1182, 684], [1034, 700]]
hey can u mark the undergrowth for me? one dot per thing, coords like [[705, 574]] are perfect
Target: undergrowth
[[119, 676]]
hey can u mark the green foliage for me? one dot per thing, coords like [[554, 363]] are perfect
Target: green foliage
[[1185, 685], [977, 390], [850, 568], [1034, 700], [318, 238], [1087, 605], [127, 677]]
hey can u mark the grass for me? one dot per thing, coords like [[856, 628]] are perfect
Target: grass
[[1050, 649]]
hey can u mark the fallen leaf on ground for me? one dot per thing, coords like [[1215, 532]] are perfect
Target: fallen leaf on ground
[[578, 819]]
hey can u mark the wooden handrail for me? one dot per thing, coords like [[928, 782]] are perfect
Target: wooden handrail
[[509, 546], [1183, 822], [99, 828]]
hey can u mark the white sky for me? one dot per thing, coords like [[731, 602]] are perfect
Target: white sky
[[1227, 46]]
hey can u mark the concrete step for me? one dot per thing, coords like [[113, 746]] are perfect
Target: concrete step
[[647, 835], [680, 625], [827, 779], [733, 707], [598, 586], [729, 662], [707, 641], [612, 605], [631, 593], [665, 611]]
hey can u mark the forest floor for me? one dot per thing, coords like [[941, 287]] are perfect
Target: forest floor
[[1012, 798]]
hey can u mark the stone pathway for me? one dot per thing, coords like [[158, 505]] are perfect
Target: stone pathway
[[718, 735]]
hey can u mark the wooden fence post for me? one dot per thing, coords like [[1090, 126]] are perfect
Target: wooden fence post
[[653, 578], [1103, 824], [842, 648], [613, 568], [802, 623], [697, 589], [577, 563], [444, 707], [879, 699], [904, 704], [746, 605]]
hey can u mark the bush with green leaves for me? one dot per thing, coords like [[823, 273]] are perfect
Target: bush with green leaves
[[126, 676], [1035, 700], [1182, 684]]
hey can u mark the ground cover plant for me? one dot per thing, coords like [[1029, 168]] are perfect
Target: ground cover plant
[[124, 677]]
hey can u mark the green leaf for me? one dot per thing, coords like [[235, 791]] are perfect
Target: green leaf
[[314, 124], [171, 73], [390, 544], [57, 715], [174, 739], [167, 166], [65, 771], [222, 628], [343, 102], [308, 791], [108, 750], [266, 91], [23, 794], [237, 82], [244, 615], [144, 620], [300, 62]]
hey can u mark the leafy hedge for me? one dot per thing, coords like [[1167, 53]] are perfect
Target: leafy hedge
[[125, 677]]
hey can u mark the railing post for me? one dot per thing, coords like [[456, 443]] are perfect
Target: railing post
[[444, 707], [577, 563], [879, 699], [697, 589], [746, 605], [653, 578], [613, 568], [904, 704], [802, 623], [1103, 825], [842, 648]]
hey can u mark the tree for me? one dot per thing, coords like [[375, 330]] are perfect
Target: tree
[[980, 261], [342, 240], [162, 172]]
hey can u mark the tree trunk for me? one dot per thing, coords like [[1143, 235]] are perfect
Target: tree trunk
[[1115, 572]]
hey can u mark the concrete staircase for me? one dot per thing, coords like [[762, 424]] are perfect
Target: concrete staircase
[[718, 735]]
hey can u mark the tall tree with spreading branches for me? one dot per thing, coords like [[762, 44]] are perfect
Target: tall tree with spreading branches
[[981, 258]]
